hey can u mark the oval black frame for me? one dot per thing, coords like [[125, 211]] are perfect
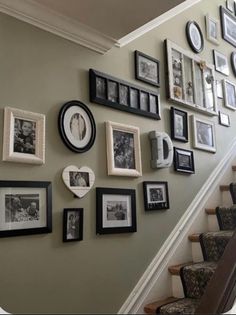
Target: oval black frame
[[190, 39], [61, 117], [233, 62]]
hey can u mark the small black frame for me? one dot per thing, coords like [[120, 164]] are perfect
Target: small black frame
[[118, 94], [179, 124], [115, 210], [26, 207], [73, 224], [194, 36], [184, 161], [156, 196], [147, 69], [76, 140], [228, 26]]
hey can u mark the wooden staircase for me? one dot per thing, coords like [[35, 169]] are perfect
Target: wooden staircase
[[198, 257]]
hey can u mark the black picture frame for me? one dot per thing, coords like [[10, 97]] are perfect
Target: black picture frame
[[156, 195], [183, 161], [194, 36], [224, 119], [118, 94], [221, 62], [77, 126], [26, 207], [233, 61], [115, 210], [179, 124], [73, 224], [228, 30], [147, 69]]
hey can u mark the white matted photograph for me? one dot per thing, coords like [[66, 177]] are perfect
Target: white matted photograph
[[24, 136], [204, 134], [221, 62], [224, 119], [212, 29], [229, 89], [123, 150]]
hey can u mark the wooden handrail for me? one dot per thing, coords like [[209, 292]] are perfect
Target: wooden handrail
[[220, 293]]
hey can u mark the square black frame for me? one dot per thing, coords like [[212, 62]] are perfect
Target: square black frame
[[48, 202], [146, 78], [100, 193], [183, 137], [77, 229], [159, 205], [180, 166]]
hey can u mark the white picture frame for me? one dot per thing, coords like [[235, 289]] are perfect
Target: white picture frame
[[224, 119], [23, 136], [221, 62], [203, 134], [229, 90], [123, 150], [212, 29]]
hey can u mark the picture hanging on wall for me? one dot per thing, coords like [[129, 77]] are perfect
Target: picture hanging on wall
[[73, 224], [233, 62], [221, 62], [156, 196], [24, 136], [204, 134], [224, 119], [179, 124], [219, 89], [77, 126], [183, 161], [212, 29], [229, 89], [194, 36], [230, 5], [26, 208], [228, 22], [115, 210]]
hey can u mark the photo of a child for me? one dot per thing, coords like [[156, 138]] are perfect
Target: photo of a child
[[24, 136]]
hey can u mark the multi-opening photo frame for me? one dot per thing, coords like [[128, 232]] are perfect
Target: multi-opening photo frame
[[204, 134], [179, 124], [156, 195], [184, 161], [73, 224]]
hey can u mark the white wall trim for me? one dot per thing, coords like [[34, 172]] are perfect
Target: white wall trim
[[32, 12], [160, 262], [156, 22]]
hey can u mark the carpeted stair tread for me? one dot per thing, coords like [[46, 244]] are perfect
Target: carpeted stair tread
[[195, 278], [183, 306], [175, 270], [213, 244], [226, 217], [152, 308]]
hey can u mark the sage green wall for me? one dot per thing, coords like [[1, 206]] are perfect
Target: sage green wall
[[40, 72]]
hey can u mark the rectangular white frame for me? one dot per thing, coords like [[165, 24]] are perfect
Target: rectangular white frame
[[8, 136], [226, 94], [196, 143], [224, 69], [112, 170], [224, 119], [208, 21]]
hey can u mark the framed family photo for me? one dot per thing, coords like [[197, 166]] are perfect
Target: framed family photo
[[183, 161], [77, 126], [229, 89], [147, 69], [212, 29], [233, 62], [23, 136], [194, 36], [73, 224], [179, 124], [123, 150], [221, 62], [224, 119], [156, 196], [26, 208], [115, 210], [204, 134], [228, 25]]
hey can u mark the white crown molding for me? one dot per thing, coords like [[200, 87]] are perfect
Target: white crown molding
[[156, 22], [31, 12]]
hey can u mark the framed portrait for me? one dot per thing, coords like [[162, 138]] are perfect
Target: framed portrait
[[233, 62], [230, 5], [23, 136], [228, 25], [194, 36], [147, 69], [179, 124], [26, 208], [221, 62], [123, 150], [183, 161], [73, 224], [212, 29], [224, 119], [156, 196], [229, 89], [115, 210], [204, 134], [77, 126]]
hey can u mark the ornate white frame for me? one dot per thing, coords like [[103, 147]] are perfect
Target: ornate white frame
[[196, 143], [209, 19]]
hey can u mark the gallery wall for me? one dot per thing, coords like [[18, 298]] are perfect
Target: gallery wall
[[39, 73]]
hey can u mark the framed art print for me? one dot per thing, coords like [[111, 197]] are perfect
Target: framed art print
[[228, 25], [147, 69], [219, 89], [23, 136], [224, 119], [194, 36], [230, 5], [77, 126], [233, 62], [73, 224], [221, 63], [179, 124], [156, 196], [183, 161], [123, 150], [229, 89], [115, 210], [212, 29], [204, 134], [26, 208]]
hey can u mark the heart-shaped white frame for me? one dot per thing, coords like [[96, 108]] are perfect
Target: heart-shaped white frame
[[79, 187]]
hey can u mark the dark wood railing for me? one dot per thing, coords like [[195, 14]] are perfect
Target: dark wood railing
[[220, 293]]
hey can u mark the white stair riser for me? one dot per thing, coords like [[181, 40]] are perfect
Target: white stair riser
[[213, 223], [177, 288], [197, 252], [226, 199]]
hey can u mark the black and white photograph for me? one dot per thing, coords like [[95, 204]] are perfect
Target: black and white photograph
[[101, 87], [116, 210], [194, 36], [224, 119], [77, 126], [230, 5], [221, 62], [228, 22], [79, 179], [219, 89], [73, 224], [229, 89], [156, 195], [134, 98], [123, 150], [183, 161], [179, 124], [26, 208], [144, 101], [124, 94], [113, 91], [147, 69], [204, 134], [24, 136], [212, 29]]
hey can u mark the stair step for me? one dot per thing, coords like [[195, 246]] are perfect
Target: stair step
[[210, 211], [151, 308], [194, 237], [234, 168], [224, 188], [175, 270], [183, 306]]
